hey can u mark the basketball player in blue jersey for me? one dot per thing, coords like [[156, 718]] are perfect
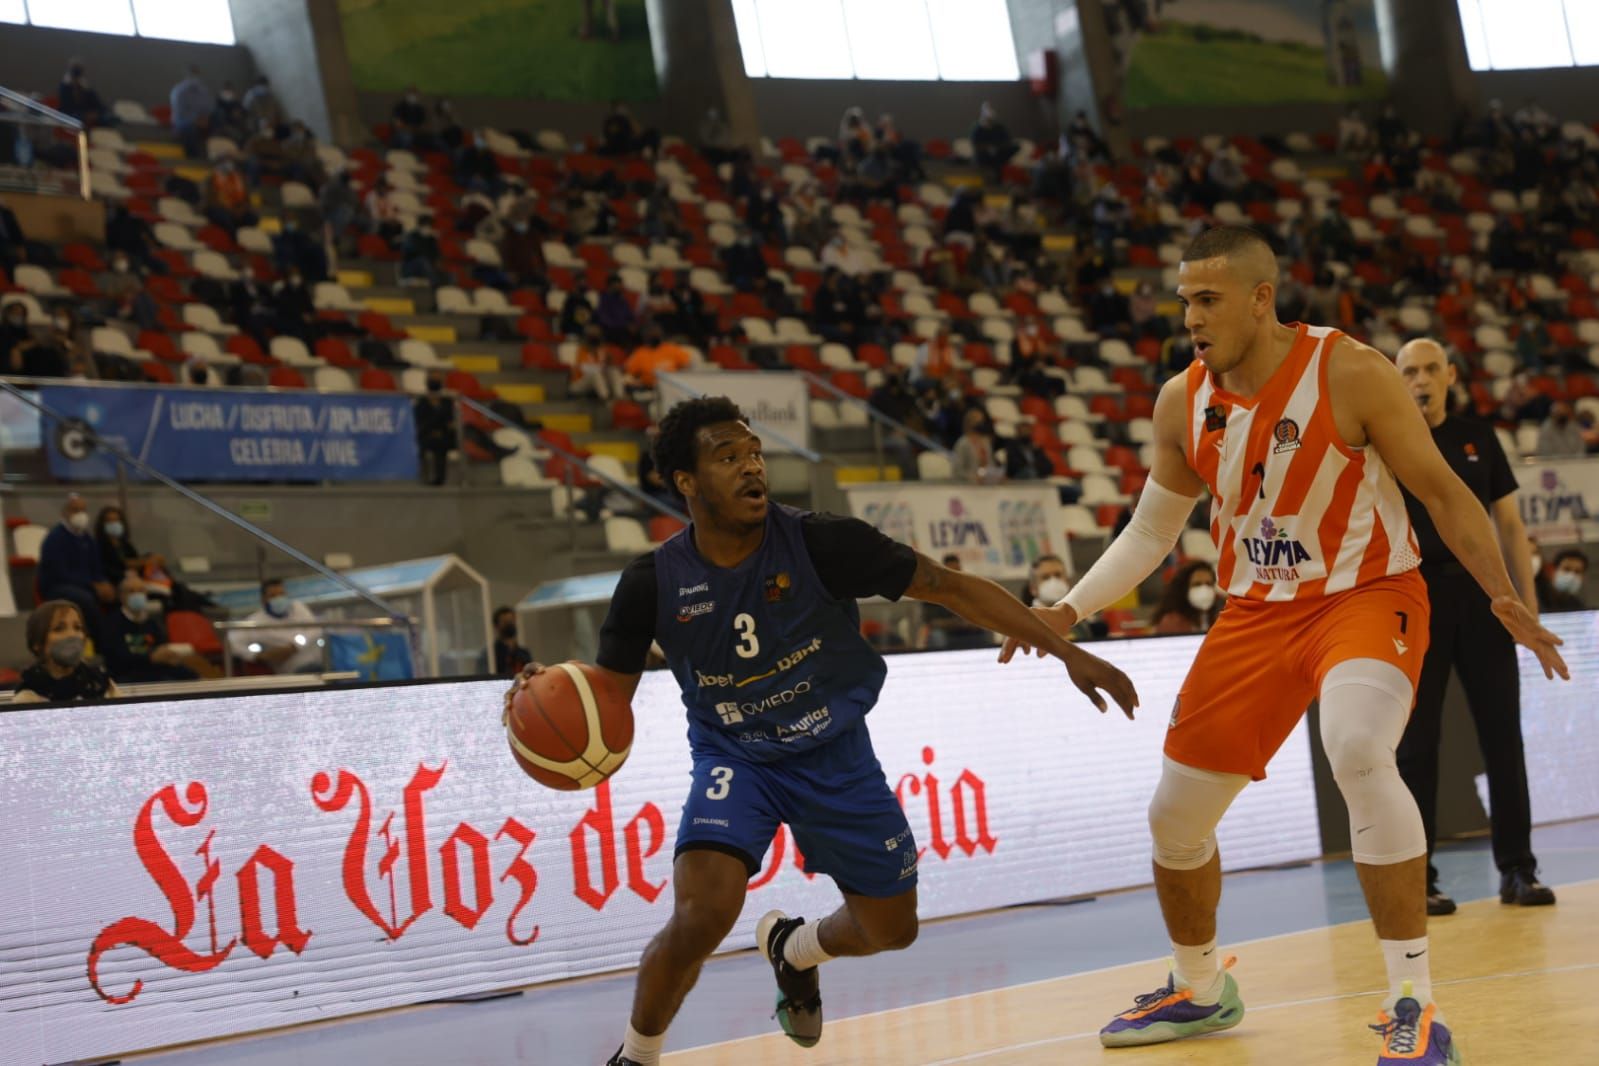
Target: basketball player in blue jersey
[[754, 606]]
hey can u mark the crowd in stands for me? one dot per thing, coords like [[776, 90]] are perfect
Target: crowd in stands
[[1008, 302]]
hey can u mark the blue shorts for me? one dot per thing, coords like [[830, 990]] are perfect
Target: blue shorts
[[845, 819]]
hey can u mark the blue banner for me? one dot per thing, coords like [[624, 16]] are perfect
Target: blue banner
[[232, 434], [377, 655]]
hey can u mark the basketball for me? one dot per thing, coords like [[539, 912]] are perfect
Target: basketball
[[569, 728]]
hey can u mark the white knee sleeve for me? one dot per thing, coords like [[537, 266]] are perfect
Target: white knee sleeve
[[1364, 706], [1183, 815]]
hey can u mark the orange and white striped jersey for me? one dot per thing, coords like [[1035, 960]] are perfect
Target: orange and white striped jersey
[[1296, 512]]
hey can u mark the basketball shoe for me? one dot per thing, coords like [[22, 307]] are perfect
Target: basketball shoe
[[799, 992], [1413, 1036], [620, 1059], [1169, 1013]]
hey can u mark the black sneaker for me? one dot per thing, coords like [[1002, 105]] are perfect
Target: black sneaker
[[619, 1059], [799, 992], [1439, 904], [1523, 888]]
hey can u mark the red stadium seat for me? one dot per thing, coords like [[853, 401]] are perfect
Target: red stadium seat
[[536, 356], [375, 380], [283, 377], [663, 526], [191, 627]]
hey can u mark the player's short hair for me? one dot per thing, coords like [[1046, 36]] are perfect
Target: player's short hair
[[675, 447], [1230, 241]]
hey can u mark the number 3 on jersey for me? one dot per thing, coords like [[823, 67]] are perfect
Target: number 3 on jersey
[[723, 783], [748, 645]]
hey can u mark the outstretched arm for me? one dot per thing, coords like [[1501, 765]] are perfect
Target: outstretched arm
[[1163, 510], [982, 602], [1364, 380]]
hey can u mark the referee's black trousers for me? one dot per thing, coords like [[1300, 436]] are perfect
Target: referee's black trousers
[[1466, 637]]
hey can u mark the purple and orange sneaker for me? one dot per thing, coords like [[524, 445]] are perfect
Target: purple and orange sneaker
[[1412, 1035], [1169, 1013]]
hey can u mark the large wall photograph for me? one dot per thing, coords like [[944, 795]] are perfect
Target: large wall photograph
[[546, 49], [1176, 53]]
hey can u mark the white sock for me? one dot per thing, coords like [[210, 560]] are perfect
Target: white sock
[[1199, 967], [644, 1050], [1407, 960], [803, 948]]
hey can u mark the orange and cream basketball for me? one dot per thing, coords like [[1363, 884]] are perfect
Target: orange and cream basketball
[[1296, 512], [568, 728]]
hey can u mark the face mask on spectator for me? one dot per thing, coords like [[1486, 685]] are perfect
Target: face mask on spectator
[[78, 520], [137, 603], [435, 386], [115, 529], [1567, 581], [1537, 562], [508, 631], [278, 605], [1050, 591], [1202, 597], [119, 265], [63, 322], [68, 651]]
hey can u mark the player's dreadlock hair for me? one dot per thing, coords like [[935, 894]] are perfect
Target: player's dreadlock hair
[[674, 448]]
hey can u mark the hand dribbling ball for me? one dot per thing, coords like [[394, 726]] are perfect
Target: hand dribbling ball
[[568, 727]]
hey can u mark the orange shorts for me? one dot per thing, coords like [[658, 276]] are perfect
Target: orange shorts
[[1262, 664]]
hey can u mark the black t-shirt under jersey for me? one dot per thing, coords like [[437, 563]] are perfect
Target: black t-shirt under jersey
[[853, 559], [1472, 451]]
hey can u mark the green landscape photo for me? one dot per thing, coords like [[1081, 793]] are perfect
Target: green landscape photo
[[1182, 65], [501, 48]]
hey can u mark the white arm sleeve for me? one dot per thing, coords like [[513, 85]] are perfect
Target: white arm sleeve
[[1157, 523]]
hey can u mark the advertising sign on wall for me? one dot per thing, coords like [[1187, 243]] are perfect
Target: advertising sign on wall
[[177, 871], [232, 434], [778, 405], [1558, 498], [996, 530]]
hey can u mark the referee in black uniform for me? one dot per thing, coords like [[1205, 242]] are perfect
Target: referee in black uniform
[[1467, 637]]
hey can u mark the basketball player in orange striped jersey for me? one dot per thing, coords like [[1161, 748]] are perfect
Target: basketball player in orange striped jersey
[[1298, 432]]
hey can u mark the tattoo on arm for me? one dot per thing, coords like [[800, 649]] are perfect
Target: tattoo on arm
[[928, 582]]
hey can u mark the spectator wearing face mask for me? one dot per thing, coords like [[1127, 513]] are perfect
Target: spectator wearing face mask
[[1562, 590], [1560, 434], [1047, 585], [293, 649], [1190, 601], [509, 656], [136, 647], [58, 641], [70, 566]]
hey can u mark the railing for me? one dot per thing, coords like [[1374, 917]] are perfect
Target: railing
[[879, 422], [575, 462], [126, 459], [25, 113]]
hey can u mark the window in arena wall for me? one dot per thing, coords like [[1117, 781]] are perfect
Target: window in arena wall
[[205, 21], [1530, 34], [900, 40]]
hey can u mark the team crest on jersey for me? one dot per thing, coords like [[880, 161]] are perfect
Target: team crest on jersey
[[779, 587], [1276, 555], [690, 611], [1215, 418], [1286, 435]]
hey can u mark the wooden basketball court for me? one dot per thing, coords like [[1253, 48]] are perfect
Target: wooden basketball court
[[1515, 983]]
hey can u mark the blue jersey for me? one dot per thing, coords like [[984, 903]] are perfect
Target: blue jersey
[[769, 662]]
